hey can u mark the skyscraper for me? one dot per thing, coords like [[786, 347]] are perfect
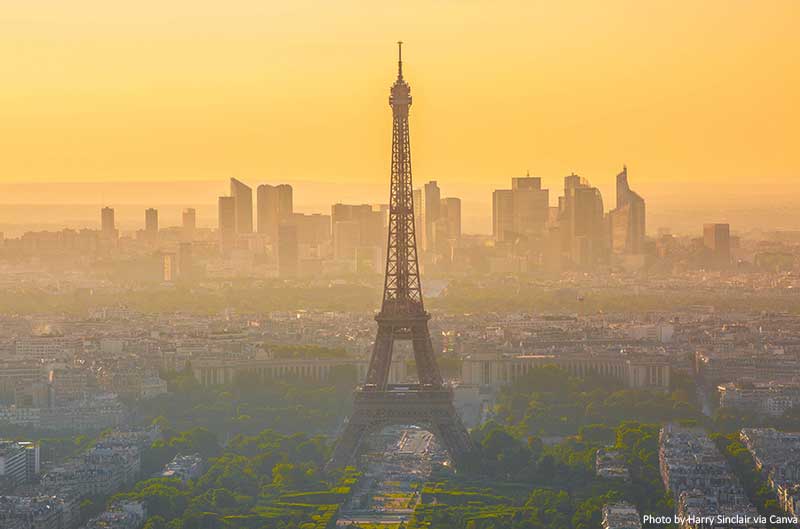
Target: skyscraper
[[520, 212], [450, 213], [108, 229], [717, 239], [355, 226], [627, 220], [503, 214], [151, 224], [227, 224], [274, 205], [312, 230], [581, 221], [431, 201], [243, 199], [188, 224], [531, 204]]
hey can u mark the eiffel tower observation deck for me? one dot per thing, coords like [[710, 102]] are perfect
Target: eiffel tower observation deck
[[378, 404]]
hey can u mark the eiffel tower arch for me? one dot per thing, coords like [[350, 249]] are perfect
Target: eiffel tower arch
[[377, 403]]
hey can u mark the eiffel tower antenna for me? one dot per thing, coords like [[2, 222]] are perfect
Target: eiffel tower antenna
[[402, 317], [399, 59]]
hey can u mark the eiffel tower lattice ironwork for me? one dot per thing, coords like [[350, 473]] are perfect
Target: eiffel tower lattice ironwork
[[377, 403]]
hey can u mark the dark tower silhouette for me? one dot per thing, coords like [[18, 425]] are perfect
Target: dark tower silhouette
[[402, 317]]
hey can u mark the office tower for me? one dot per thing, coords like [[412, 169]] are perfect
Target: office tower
[[226, 225], [108, 227], [627, 220], [356, 226], [274, 205], [581, 220], [346, 239], [530, 204], [520, 213], [503, 215], [446, 229], [243, 200], [717, 239], [188, 224], [312, 230], [151, 224], [287, 250], [450, 213], [431, 200], [378, 404]]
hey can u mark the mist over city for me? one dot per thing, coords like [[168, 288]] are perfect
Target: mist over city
[[450, 265]]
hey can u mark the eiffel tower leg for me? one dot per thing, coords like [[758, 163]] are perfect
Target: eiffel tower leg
[[381, 361], [348, 444], [451, 432], [427, 368]]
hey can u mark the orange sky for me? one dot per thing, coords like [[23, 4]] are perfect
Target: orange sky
[[297, 90]]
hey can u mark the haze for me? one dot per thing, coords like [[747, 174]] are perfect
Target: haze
[[693, 96]]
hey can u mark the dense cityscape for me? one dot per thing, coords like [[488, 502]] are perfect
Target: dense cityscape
[[576, 368]]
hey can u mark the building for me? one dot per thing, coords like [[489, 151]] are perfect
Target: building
[[581, 219], [610, 464], [450, 214], [717, 240], [46, 347], [188, 224], [776, 455], [121, 515], [621, 515], [243, 206], [19, 461], [214, 371], [647, 371], [769, 398], [356, 227], [346, 239], [503, 215], [151, 224], [274, 205], [699, 478], [530, 205], [184, 467], [520, 213], [312, 230], [431, 201], [68, 384], [226, 225], [721, 367], [39, 512], [108, 228], [627, 220], [288, 256]]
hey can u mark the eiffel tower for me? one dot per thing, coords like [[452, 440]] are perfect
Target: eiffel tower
[[377, 403]]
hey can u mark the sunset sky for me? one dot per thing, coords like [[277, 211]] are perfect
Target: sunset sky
[[682, 91]]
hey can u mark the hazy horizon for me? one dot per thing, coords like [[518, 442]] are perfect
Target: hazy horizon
[[682, 207], [681, 93]]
